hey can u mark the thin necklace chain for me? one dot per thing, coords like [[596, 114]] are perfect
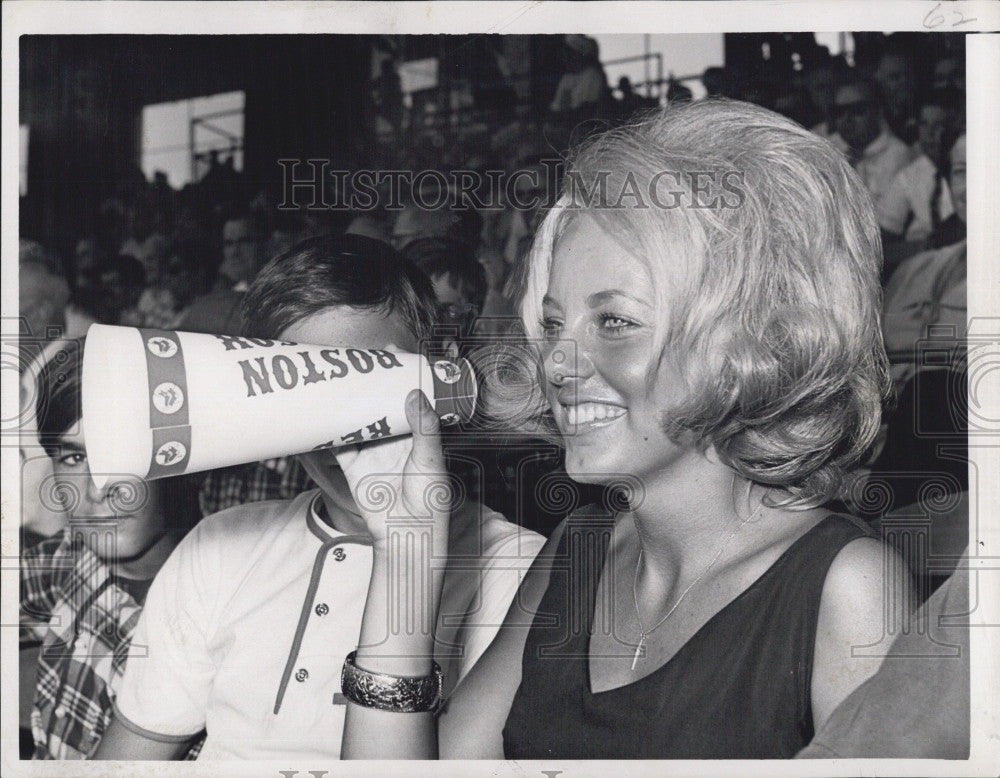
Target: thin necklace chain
[[645, 633]]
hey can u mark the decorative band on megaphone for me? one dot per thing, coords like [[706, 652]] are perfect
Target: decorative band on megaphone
[[168, 408]]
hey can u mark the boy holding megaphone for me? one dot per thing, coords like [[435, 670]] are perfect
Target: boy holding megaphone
[[246, 626]]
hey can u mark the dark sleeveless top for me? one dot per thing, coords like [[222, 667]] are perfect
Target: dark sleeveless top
[[738, 689]]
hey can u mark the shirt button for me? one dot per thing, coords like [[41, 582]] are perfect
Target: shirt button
[[60, 711], [301, 674], [322, 609]]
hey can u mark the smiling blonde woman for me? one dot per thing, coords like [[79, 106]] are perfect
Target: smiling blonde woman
[[722, 359]]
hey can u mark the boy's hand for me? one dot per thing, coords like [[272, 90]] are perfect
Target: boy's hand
[[401, 477]]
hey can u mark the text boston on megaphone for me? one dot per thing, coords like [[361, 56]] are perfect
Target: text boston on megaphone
[[159, 402]]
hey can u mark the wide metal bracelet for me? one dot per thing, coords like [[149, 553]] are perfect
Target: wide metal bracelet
[[398, 694]]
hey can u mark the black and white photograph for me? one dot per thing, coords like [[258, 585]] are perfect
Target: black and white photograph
[[511, 388]]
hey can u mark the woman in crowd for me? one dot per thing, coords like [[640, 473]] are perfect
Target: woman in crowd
[[711, 342]]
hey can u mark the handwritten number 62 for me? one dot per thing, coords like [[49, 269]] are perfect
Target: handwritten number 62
[[934, 19]]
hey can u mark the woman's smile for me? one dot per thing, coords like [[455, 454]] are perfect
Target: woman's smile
[[586, 416]]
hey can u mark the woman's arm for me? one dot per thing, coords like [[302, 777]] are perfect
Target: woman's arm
[[471, 725], [401, 487], [866, 597]]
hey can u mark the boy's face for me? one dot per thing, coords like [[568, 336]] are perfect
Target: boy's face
[[120, 522], [342, 325]]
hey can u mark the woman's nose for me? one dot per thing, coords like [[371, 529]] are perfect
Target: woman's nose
[[567, 360]]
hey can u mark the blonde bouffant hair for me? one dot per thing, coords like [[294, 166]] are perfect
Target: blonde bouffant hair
[[765, 270]]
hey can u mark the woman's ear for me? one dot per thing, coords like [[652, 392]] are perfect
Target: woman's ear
[[712, 455]]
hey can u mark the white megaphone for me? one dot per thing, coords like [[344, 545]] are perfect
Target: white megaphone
[[158, 403]]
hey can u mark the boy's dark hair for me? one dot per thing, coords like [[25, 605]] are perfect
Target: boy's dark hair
[[58, 409], [323, 272], [452, 258]]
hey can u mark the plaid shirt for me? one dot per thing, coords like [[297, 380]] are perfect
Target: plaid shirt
[[274, 479], [73, 604]]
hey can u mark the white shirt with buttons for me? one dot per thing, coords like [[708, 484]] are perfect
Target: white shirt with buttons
[[246, 626]]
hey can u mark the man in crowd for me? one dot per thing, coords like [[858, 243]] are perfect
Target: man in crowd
[[584, 84], [243, 241], [446, 220], [918, 199], [897, 84], [864, 136]]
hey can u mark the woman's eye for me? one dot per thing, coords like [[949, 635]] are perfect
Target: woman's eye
[[550, 328], [615, 324]]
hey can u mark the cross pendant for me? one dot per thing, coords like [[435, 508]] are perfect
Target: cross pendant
[[638, 649]]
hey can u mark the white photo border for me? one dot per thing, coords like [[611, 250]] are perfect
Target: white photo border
[[977, 18]]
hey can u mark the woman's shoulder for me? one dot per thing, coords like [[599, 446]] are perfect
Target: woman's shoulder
[[859, 561], [865, 596], [829, 543], [835, 528], [846, 545], [862, 561]]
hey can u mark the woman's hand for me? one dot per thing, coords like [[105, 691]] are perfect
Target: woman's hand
[[402, 489], [401, 478]]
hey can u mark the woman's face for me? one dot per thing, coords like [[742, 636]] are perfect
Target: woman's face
[[599, 319], [120, 522]]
